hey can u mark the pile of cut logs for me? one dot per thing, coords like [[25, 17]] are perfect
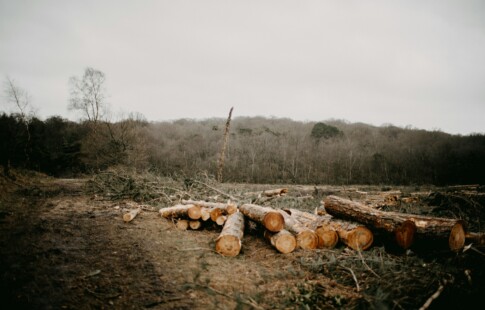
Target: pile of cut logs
[[338, 219]]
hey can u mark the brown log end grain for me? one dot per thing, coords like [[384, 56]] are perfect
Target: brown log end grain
[[307, 240], [327, 238], [404, 234], [457, 238], [283, 241], [194, 212], [359, 238], [273, 221]]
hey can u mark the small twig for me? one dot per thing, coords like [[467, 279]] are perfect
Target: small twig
[[434, 296], [216, 190], [355, 278], [365, 264]]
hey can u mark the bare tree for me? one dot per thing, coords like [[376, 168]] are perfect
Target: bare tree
[[20, 98], [88, 94]]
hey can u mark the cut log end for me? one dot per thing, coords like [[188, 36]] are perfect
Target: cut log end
[[231, 208], [307, 240], [273, 221], [457, 237], [327, 239], [221, 220], [404, 234], [182, 224], [228, 245], [195, 225], [359, 238], [283, 241], [128, 217], [194, 212]]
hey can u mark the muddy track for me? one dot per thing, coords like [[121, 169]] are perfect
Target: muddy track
[[72, 252]]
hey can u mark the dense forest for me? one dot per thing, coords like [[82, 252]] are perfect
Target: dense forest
[[260, 150]]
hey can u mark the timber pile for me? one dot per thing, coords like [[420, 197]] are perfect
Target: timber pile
[[340, 220]]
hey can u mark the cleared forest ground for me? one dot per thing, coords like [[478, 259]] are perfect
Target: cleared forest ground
[[64, 245]]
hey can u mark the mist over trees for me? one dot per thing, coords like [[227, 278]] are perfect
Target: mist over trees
[[259, 150]]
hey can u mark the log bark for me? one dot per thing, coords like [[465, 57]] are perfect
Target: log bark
[[306, 238], [229, 241], [229, 207], [326, 233], [478, 239], [182, 211], [271, 219], [283, 241], [128, 217], [400, 224], [275, 192]]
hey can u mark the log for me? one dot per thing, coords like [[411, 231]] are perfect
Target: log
[[205, 214], [229, 207], [306, 238], [275, 192], [229, 241], [478, 239], [283, 241], [399, 224], [182, 211], [221, 220], [326, 233], [271, 219], [195, 225], [182, 224], [128, 217]]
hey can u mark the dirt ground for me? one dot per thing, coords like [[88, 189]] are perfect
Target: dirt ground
[[64, 249]]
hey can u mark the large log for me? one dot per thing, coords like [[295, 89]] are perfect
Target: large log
[[182, 211], [478, 239], [306, 238], [400, 224], [271, 219], [283, 241], [229, 241], [326, 233], [128, 217]]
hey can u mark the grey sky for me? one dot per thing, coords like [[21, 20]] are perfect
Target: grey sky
[[418, 63]]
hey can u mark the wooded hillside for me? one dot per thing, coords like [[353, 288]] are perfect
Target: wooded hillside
[[260, 150]]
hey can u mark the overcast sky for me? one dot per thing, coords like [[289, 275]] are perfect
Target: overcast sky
[[418, 63]]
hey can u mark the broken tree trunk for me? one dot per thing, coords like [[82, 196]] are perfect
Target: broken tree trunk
[[179, 211], [229, 241], [306, 238], [283, 241], [400, 224], [128, 217], [327, 235], [271, 219]]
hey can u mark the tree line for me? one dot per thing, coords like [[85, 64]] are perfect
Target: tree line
[[259, 150]]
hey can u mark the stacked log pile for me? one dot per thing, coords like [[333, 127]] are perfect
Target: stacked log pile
[[339, 220]]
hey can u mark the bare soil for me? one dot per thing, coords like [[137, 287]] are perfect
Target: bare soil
[[64, 249]]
